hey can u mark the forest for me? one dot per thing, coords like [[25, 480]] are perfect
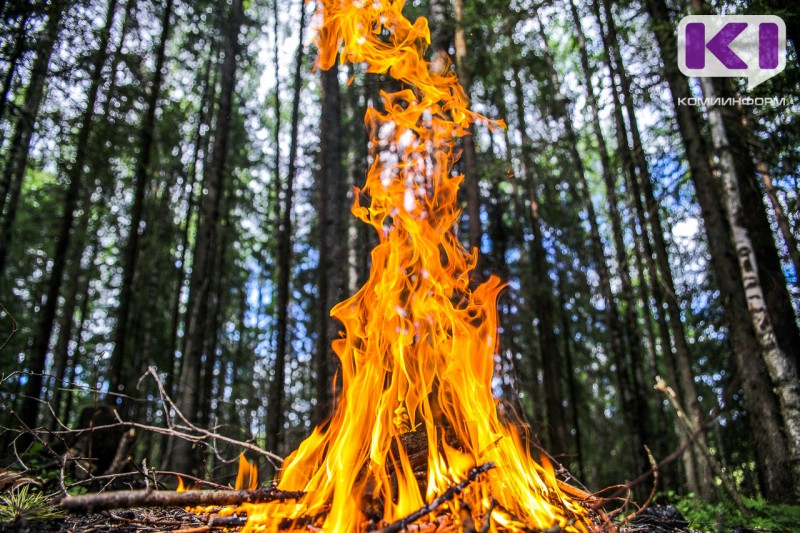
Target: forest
[[182, 204]]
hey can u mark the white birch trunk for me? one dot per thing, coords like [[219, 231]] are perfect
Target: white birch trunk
[[781, 368]]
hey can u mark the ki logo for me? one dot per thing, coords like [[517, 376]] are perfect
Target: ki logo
[[751, 46]]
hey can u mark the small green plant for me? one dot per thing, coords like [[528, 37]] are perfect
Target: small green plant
[[760, 516], [22, 504]]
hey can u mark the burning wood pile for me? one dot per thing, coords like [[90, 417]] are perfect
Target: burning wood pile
[[416, 416], [416, 436]]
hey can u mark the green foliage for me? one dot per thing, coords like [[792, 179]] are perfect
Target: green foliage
[[760, 516], [22, 504]]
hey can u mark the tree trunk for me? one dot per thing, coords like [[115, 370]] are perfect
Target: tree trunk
[[200, 145], [634, 341], [543, 295], [24, 126], [759, 400], [206, 243], [70, 304], [13, 58], [770, 270], [141, 178], [792, 250], [572, 386], [41, 343], [468, 163], [673, 336], [78, 291], [635, 418], [782, 369], [331, 198], [212, 328], [276, 393]]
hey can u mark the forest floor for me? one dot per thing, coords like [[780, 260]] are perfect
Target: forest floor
[[141, 520], [178, 520]]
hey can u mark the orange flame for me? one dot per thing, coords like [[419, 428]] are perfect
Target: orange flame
[[419, 343], [247, 476]]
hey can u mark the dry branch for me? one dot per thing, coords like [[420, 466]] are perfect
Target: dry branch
[[163, 498], [690, 428], [215, 521], [448, 495]]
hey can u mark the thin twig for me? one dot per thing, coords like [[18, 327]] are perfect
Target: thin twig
[[448, 495], [162, 498], [113, 477], [14, 327], [654, 470]]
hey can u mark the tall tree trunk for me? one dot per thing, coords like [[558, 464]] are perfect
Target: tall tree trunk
[[635, 416], [792, 250], [782, 369], [357, 251], [13, 57], [671, 330], [468, 162], [141, 178], [543, 296], [634, 341], [276, 393], [572, 386], [759, 399], [41, 343], [212, 327], [24, 127], [331, 198], [530, 384], [70, 303], [66, 410], [206, 243], [770, 270], [276, 110], [77, 293], [200, 145]]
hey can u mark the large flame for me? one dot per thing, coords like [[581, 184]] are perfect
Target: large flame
[[419, 343]]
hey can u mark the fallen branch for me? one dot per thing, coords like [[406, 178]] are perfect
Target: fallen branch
[[448, 495], [163, 498], [215, 521]]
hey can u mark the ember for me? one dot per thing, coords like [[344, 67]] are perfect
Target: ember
[[419, 344]]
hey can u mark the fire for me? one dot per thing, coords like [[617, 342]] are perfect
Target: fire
[[418, 348]]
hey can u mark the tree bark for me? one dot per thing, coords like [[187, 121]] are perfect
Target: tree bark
[[468, 159], [635, 417], [782, 369], [543, 294], [24, 127], [276, 393], [759, 400], [330, 208], [41, 343], [141, 178], [207, 242], [770, 270]]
